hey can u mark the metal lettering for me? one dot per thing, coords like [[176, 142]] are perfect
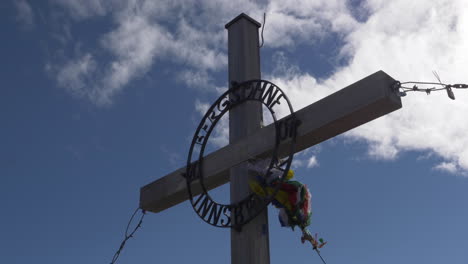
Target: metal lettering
[[253, 89], [192, 171], [287, 128], [200, 139], [223, 104], [234, 96], [259, 90], [283, 129], [252, 205], [238, 214], [204, 207], [201, 136], [277, 101], [199, 199], [228, 216], [213, 117], [215, 214], [270, 95]]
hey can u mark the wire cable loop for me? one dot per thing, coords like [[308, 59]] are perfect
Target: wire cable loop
[[127, 235]]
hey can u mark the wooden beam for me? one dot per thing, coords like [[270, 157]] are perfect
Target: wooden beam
[[251, 244], [358, 103]]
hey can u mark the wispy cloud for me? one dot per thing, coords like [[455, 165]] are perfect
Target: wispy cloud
[[146, 32], [408, 47], [134, 44], [447, 167], [76, 75], [139, 39], [201, 108], [198, 79], [307, 158], [312, 162], [24, 14], [84, 9], [175, 159]]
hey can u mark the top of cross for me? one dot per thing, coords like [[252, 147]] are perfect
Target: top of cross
[[243, 15]]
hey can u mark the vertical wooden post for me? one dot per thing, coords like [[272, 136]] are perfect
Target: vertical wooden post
[[251, 244]]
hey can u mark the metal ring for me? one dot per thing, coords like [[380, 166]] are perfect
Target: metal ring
[[237, 214]]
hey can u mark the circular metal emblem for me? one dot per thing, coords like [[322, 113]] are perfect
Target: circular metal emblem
[[280, 159]]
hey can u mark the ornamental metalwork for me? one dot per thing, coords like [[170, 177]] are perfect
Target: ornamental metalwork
[[235, 215]]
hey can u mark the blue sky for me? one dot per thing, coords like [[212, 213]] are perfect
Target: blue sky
[[99, 98]]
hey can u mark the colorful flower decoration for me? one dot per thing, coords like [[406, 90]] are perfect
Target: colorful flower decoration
[[293, 199]]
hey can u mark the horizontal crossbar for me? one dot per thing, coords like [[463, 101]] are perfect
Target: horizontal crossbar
[[358, 103]]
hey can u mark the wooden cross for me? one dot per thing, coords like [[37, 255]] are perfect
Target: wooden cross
[[359, 103]]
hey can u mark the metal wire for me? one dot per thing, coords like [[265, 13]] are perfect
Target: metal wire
[[143, 212], [403, 88], [263, 27], [307, 236], [318, 253], [127, 235]]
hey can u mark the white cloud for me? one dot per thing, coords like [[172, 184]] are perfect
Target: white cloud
[[85, 8], [147, 31], [175, 159], [24, 14], [134, 44], [198, 79], [139, 39], [200, 49], [306, 158], [220, 135], [201, 108], [408, 47], [406, 39], [297, 163], [447, 167], [312, 162], [75, 75], [296, 21]]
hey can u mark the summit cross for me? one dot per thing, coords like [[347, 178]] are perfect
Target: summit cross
[[354, 105]]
